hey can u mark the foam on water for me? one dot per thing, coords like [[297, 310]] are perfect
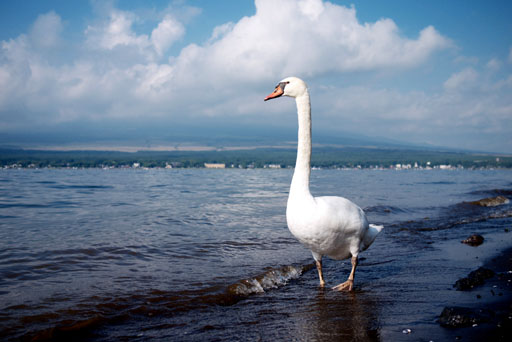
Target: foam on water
[[271, 279]]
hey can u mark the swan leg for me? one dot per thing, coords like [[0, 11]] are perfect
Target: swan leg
[[318, 262], [320, 274], [349, 284]]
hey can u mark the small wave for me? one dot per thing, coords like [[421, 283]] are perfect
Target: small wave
[[45, 182], [491, 201], [272, 279], [81, 187], [428, 225], [159, 186], [23, 205], [62, 204], [383, 209], [492, 192], [21, 264]]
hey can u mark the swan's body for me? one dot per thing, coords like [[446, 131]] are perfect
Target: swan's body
[[331, 226]]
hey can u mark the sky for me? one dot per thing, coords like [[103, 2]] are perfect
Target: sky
[[161, 73]]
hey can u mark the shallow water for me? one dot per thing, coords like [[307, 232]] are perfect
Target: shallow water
[[195, 254]]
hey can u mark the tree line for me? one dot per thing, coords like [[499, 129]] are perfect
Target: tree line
[[322, 157]]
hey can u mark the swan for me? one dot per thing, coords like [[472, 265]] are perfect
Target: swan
[[329, 226]]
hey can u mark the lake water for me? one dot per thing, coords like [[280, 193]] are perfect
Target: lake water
[[205, 255]]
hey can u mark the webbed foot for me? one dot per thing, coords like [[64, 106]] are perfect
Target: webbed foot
[[346, 286]]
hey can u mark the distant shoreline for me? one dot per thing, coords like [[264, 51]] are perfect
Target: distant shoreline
[[128, 167], [274, 157]]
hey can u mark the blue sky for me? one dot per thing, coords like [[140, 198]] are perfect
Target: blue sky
[[157, 73]]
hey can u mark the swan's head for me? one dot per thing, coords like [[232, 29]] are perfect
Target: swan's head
[[290, 86]]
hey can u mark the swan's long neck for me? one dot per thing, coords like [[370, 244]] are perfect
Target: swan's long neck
[[300, 180]]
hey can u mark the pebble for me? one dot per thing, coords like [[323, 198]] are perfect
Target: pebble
[[474, 240]]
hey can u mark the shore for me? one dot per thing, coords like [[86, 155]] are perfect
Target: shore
[[420, 301], [490, 317]]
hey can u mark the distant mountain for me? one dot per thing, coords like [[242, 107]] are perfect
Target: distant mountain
[[194, 138]]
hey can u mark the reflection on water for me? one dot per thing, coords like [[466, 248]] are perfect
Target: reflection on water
[[342, 317]]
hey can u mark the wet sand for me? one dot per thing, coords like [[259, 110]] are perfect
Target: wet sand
[[481, 313], [490, 316]]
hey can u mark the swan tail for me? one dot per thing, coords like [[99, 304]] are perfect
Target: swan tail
[[371, 234]]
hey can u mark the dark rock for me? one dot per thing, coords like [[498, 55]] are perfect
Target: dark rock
[[491, 201], [474, 240], [458, 317], [475, 278]]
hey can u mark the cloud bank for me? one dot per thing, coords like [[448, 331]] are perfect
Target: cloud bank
[[116, 73]]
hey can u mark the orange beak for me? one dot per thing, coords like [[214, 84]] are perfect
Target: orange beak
[[276, 93]]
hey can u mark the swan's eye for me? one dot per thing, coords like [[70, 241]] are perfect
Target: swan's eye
[[282, 85]]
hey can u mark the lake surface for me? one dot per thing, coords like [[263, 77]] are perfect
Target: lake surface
[[197, 254]]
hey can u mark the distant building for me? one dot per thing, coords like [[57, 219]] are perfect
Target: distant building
[[214, 165]]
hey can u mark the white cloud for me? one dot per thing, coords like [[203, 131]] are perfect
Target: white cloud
[[493, 64], [46, 30], [309, 38], [116, 33], [472, 109], [167, 32], [463, 79], [122, 74], [220, 31]]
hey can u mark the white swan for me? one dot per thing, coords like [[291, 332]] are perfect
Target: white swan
[[332, 226]]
